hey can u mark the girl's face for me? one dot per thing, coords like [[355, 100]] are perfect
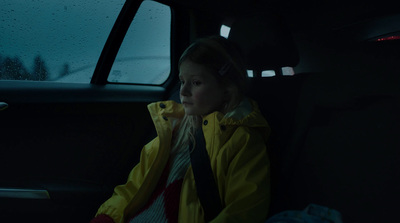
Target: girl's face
[[200, 92]]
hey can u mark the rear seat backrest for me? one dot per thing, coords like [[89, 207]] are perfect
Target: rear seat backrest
[[345, 151], [267, 44], [334, 136]]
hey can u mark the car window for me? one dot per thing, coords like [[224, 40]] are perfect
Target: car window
[[144, 56], [54, 40]]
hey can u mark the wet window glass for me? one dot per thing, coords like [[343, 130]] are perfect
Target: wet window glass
[[144, 56], [54, 40]]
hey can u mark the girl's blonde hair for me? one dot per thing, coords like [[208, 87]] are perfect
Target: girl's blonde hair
[[224, 58]]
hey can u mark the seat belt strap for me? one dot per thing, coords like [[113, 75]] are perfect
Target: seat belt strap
[[206, 185]]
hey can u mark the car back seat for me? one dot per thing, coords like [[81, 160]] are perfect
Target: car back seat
[[335, 135], [267, 44], [344, 153]]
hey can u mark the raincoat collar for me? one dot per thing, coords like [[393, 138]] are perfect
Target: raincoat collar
[[246, 114]]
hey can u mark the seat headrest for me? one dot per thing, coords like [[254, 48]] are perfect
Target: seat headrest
[[266, 42]]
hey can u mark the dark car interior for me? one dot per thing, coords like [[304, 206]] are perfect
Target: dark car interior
[[335, 119]]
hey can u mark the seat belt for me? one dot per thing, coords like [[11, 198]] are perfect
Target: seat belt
[[206, 186]]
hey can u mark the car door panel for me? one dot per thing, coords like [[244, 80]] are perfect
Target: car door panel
[[64, 147]]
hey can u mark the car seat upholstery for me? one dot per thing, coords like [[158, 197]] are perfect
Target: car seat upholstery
[[267, 44], [345, 147], [334, 135]]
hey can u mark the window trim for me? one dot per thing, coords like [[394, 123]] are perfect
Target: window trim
[[171, 45], [114, 41]]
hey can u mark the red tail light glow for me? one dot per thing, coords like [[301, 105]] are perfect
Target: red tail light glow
[[388, 38]]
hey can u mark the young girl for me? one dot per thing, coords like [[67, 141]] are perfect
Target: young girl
[[162, 187]]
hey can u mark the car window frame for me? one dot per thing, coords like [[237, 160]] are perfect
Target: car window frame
[[115, 40]]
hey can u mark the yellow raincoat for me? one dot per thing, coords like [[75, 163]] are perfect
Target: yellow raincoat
[[235, 143]]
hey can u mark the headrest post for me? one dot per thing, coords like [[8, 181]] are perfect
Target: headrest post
[[257, 73], [278, 72]]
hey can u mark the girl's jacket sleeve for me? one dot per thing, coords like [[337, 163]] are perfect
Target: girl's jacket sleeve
[[246, 192], [114, 207]]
